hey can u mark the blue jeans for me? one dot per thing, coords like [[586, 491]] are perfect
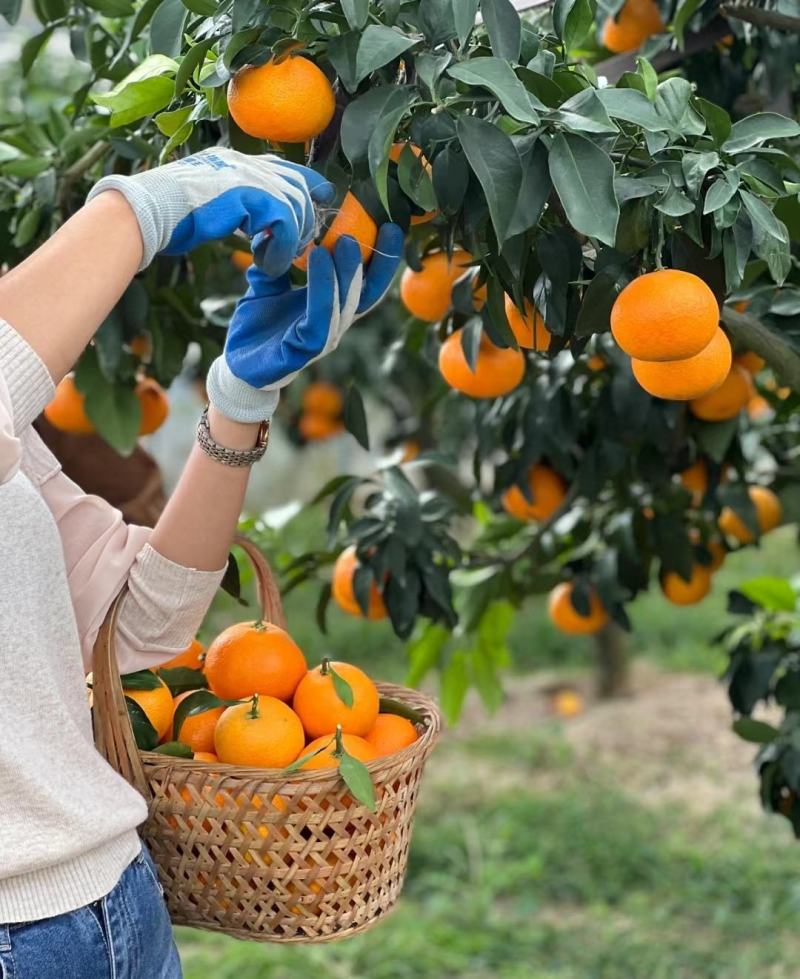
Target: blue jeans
[[125, 935]]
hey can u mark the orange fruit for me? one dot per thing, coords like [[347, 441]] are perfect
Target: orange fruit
[[208, 756], [320, 708], [727, 400], [344, 595], [254, 657], [315, 426], [759, 408], [352, 744], [391, 733], [566, 617], [568, 703], [191, 658], [141, 346], [769, 513], [665, 315], [264, 732], [157, 704], [427, 294], [285, 101], [681, 592], [197, 731], [695, 479], [411, 450], [742, 305], [352, 219], [498, 370], [66, 411], [596, 363], [684, 380], [718, 553], [529, 330], [547, 491], [394, 156], [241, 260], [155, 405], [323, 398], [750, 361], [637, 20]]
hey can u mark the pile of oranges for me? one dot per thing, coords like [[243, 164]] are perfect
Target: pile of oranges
[[321, 412], [269, 709], [67, 411]]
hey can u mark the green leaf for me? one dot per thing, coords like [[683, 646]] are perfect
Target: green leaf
[[497, 76], [198, 703], [360, 119], [649, 77], [111, 8], [773, 594], [144, 733], [356, 12], [32, 47], [718, 122], [415, 180], [756, 731], [770, 237], [674, 203], [464, 14], [673, 105], [631, 106], [454, 686], [534, 190], [382, 137], [424, 652], [504, 28], [176, 139], [496, 164], [378, 46], [27, 226], [205, 8], [683, 15], [572, 20], [175, 749], [342, 54], [299, 762], [583, 176], [141, 680], [355, 416], [170, 122], [757, 129], [11, 9], [695, 166], [358, 780], [166, 28], [343, 689], [191, 61], [145, 91], [718, 194], [181, 679], [113, 408]]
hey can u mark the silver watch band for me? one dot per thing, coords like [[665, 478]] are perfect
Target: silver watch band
[[226, 456]]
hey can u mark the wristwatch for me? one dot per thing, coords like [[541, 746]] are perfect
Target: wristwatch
[[226, 456]]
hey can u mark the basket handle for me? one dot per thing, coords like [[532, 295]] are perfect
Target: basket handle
[[113, 733]]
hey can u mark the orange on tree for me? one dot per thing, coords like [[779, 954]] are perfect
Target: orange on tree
[[316, 426], [320, 708], [286, 100], [155, 405], [596, 363], [498, 370], [323, 398], [157, 704], [567, 618], [353, 219], [759, 408], [684, 380], [66, 411], [141, 346], [264, 732], [679, 591], [192, 658], [638, 20], [695, 479], [241, 260], [718, 553], [254, 657], [750, 361], [547, 492], [391, 733], [427, 294], [354, 745], [344, 570], [197, 730], [529, 330], [727, 400], [769, 514], [665, 315]]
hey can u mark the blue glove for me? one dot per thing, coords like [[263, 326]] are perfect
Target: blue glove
[[211, 194], [277, 330]]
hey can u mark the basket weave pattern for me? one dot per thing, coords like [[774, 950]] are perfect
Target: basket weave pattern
[[256, 853]]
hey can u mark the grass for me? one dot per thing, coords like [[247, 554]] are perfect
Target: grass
[[529, 865]]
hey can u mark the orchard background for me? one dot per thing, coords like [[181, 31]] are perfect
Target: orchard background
[[583, 817]]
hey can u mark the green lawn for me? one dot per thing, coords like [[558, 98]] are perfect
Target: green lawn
[[528, 864]]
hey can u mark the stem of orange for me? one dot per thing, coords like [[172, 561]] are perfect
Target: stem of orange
[[253, 712], [339, 750], [325, 667]]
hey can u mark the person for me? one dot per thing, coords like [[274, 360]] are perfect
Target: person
[[79, 895]]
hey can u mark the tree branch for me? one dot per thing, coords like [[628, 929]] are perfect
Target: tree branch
[[751, 333], [74, 172], [760, 17]]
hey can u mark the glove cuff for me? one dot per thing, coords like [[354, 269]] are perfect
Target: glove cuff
[[152, 197], [237, 400]]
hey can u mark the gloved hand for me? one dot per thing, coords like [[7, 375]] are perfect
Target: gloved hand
[[277, 330], [213, 193]]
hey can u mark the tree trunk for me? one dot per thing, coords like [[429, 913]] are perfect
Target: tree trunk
[[613, 674]]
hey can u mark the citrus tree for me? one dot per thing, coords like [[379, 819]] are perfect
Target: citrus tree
[[549, 193]]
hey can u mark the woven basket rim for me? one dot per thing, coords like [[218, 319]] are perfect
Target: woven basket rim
[[422, 746]]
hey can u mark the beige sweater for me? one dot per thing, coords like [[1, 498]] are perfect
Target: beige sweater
[[67, 820]]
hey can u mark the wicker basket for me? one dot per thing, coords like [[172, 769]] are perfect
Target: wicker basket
[[256, 853]]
